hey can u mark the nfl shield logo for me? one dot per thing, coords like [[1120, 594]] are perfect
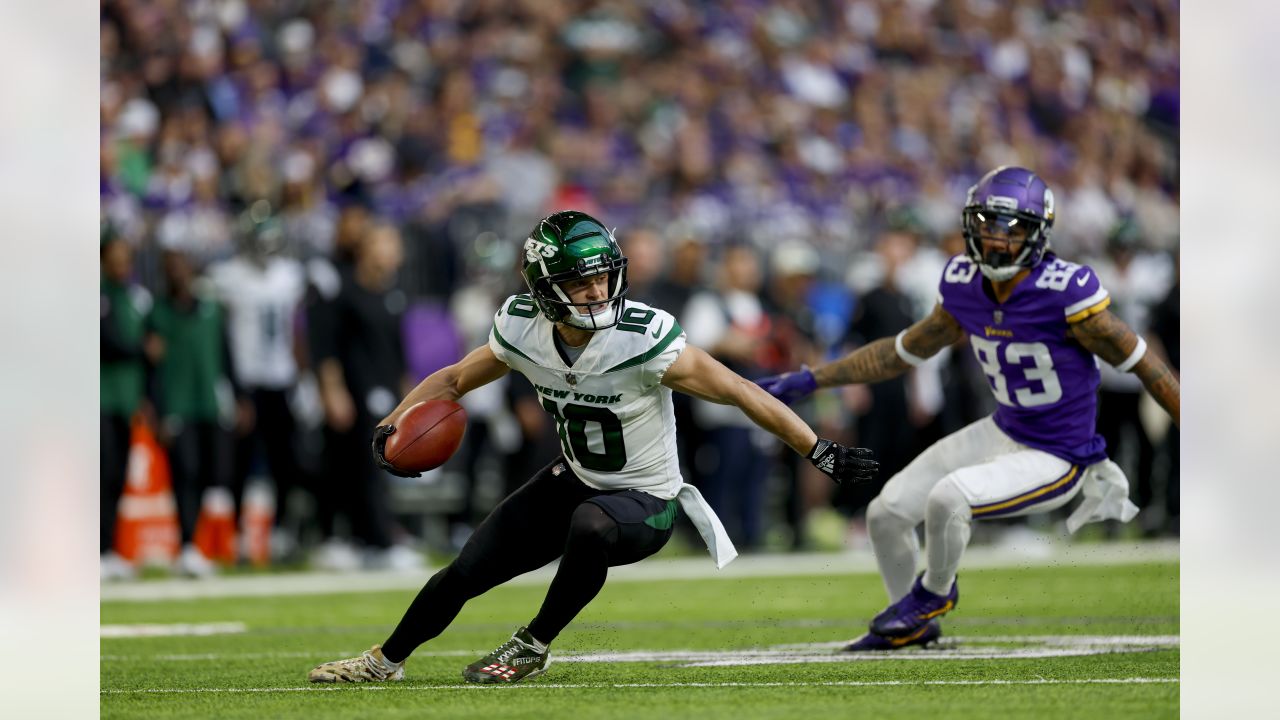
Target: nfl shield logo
[[999, 316], [571, 378]]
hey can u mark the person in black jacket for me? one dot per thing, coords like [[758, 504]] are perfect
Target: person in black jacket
[[359, 360]]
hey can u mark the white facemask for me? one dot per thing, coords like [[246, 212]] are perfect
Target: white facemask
[[605, 316]]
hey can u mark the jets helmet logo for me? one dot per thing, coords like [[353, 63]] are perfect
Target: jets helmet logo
[[535, 248]]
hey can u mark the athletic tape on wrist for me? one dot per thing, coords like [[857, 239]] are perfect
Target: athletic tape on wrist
[[1138, 351], [907, 357]]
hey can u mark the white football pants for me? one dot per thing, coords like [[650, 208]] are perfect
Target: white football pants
[[976, 472]]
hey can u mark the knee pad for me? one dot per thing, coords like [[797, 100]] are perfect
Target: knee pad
[[946, 501], [880, 516], [591, 525]]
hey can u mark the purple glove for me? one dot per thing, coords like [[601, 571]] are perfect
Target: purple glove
[[790, 387]]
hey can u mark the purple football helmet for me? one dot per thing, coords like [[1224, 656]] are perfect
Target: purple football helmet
[[1004, 203]]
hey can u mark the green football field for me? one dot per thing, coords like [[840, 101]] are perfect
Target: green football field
[[1080, 641]]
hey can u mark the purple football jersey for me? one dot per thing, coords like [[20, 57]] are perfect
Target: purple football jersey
[[1045, 383]]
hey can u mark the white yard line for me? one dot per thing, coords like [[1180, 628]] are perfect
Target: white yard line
[[699, 567], [172, 630], [317, 655], [615, 686], [972, 647], [950, 648]]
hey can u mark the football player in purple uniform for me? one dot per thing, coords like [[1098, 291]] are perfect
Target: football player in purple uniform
[[1035, 323]]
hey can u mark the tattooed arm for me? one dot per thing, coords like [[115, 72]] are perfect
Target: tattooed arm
[[1108, 337], [879, 360]]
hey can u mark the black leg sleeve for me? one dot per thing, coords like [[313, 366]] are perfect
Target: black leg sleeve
[[523, 533], [582, 571], [607, 531]]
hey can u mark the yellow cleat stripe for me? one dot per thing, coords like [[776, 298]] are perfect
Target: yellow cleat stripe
[[940, 611], [899, 642]]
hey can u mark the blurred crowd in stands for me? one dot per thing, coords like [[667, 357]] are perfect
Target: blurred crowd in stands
[[307, 206]]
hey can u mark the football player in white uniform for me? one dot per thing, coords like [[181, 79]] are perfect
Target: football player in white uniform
[[604, 368]]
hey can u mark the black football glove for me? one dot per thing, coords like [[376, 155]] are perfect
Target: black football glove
[[380, 435], [843, 464]]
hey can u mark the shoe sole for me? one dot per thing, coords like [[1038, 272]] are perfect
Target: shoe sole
[[897, 643], [491, 680], [328, 677]]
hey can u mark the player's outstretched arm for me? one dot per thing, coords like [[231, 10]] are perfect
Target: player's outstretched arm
[[880, 360], [1108, 337], [698, 374], [479, 367], [885, 358]]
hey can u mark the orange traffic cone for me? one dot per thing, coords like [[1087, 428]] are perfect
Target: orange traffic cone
[[257, 515], [147, 524], [216, 526]]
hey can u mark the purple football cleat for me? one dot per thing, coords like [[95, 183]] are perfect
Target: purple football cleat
[[914, 610], [931, 631]]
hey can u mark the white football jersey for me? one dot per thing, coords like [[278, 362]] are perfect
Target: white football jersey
[[614, 417], [261, 302]]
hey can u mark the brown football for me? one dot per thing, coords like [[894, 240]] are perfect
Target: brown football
[[427, 434]]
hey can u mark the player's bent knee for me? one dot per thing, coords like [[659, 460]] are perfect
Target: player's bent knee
[[877, 514], [882, 516], [947, 500], [590, 525]]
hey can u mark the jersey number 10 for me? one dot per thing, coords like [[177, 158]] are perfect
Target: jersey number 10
[[571, 424]]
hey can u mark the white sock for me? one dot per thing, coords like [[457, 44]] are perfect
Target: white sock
[[946, 530], [893, 540]]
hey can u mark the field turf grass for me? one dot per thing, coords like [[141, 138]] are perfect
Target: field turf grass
[[1002, 614]]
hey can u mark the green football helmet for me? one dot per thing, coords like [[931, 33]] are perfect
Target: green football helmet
[[567, 246]]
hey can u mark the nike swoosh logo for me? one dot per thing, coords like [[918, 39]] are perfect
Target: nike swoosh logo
[[656, 333], [1083, 279]]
